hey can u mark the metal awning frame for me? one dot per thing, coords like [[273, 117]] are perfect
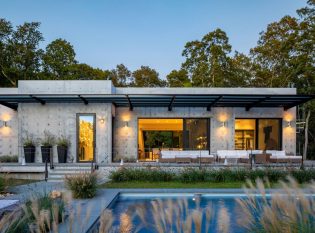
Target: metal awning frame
[[170, 101]]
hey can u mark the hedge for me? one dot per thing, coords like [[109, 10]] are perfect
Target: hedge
[[203, 175]]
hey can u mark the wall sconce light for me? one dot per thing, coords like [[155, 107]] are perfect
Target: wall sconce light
[[5, 124], [289, 124], [102, 120], [126, 124], [223, 124]]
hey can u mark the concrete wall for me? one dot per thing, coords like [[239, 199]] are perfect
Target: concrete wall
[[65, 87], [221, 138], [60, 120]]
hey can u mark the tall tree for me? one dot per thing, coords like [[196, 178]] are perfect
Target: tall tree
[[121, 76], [58, 57], [241, 71], [85, 72], [5, 58], [178, 78], [207, 62], [147, 77], [273, 56], [21, 56]]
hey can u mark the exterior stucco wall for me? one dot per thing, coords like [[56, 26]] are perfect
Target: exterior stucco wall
[[60, 120], [221, 138], [8, 135]]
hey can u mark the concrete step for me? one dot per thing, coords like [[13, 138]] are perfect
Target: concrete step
[[71, 168], [68, 172]]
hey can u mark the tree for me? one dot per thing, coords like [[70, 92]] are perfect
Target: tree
[[147, 77], [5, 58], [121, 76], [85, 72], [21, 57], [241, 71], [207, 60], [178, 78], [58, 57], [285, 55], [274, 54]]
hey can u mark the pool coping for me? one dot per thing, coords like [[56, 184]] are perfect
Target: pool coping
[[105, 197]]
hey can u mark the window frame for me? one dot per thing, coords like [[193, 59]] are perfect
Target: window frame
[[280, 120], [78, 135], [180, 118]]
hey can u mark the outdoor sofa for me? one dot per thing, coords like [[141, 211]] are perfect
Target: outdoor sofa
[[186, 156], [260, 157]]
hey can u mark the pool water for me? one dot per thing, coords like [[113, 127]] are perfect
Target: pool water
[[130, 203]]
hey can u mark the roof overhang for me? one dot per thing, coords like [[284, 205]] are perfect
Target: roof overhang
[[163, 100]]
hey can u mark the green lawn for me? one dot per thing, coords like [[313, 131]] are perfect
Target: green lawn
[[171, 184]]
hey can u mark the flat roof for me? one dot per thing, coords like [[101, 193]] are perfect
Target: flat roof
[[170, 101]]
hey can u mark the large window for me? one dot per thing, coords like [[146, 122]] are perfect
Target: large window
[[245, 134], [269, 134], [196, 134], [86, 137], [155, 135], [262, 134]]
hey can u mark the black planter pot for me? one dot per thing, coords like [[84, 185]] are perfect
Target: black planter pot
[[46, 153], [29, 154], [62, 154]]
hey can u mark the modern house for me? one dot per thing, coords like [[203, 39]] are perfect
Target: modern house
[[106, 123]]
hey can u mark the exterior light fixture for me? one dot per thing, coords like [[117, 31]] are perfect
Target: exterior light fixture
[[289, 124], [5, 124], [223, 124], [102, 120], [126, 124]]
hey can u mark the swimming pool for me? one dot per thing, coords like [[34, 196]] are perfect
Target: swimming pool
[[146, 212]]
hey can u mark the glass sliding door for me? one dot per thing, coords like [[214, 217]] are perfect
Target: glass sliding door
[[269, 134], [156, 135], [245, 134], [86, 137], [196, 134], [261, 134]]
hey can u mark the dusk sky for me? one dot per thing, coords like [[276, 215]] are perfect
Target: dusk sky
[[145, 32]]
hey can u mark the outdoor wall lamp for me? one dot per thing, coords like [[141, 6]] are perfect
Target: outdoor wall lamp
[[289, 124], [126, 123], [5, 124], [223, 124], [102, 120]]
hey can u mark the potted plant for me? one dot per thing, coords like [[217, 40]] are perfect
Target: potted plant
[[47, 144], [62, 148], [29, 149]]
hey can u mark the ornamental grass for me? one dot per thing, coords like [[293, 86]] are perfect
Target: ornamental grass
[[82, 185]]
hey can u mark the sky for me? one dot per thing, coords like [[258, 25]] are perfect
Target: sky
[[105, 33]]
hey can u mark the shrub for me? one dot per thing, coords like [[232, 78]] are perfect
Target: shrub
[[9, 159], [303, 175], [2, 184], [124, 174], [203, 175], [192, 175], [82, 185]]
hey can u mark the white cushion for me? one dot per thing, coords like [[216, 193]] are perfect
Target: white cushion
[[207, 156]]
